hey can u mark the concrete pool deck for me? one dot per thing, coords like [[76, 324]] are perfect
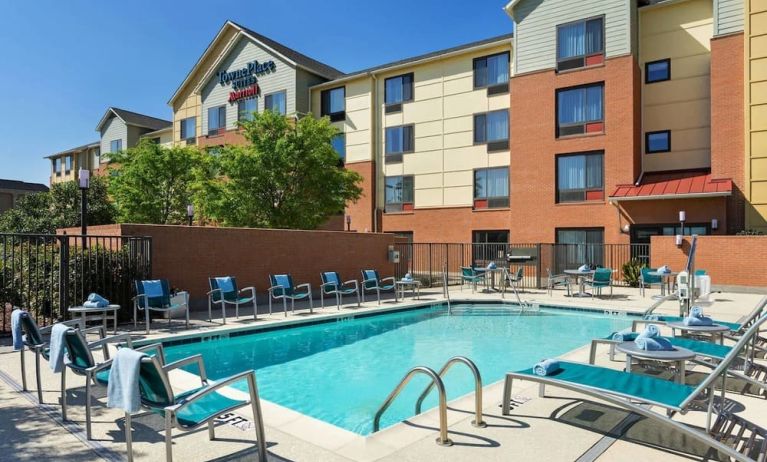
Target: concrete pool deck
[[564, 426]]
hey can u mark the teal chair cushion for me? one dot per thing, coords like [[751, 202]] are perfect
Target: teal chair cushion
[[33, 335], [205, 408], [80, 356], [284, 280], [648, 278], [331, 277], [371, 278], [228, 286], [102, 376], [161, 300], [152, 386]]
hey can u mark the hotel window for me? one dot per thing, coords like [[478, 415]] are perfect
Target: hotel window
[[580, 44], [246, 108], [657, 141], [580, 110], [580, 177], [333, 104], [339, 144], [492, 128], [276, 102], [116, 145], [583, 246], [57, 165], [188, 128], [399, 140], [657, 71], [399, 193], [491, 188], [398, 90], [492, 72], [68, 164], [216, 120]]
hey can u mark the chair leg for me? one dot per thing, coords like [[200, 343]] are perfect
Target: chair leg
[[285, 306], [168, 436], [255, 309], [88, 406], [270, 303], [322, 299], [211, 431], [64, 393], [37, 377], [128, 436], [340, 300], [311, 303], [23, 369], [210, 310], [358, 299], [186, 308], [237, 310], [223, 311], [146, 312], [378, 293]]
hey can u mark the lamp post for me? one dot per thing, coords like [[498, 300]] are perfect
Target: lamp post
[[189, 214], [348, 222], [85, 183]]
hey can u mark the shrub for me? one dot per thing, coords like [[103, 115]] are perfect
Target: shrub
[[632, 270]]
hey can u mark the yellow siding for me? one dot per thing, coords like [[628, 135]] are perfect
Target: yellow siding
[[681, 32], [756, 113]]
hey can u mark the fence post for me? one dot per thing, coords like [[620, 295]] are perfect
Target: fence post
[[447, 265], [63, 276], [538, 266], [431, 255]]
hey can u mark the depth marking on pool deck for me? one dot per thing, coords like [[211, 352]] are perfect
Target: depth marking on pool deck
[[74, 429]]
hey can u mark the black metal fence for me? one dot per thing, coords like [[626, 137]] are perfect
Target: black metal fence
[[426, 261], [49, 273]]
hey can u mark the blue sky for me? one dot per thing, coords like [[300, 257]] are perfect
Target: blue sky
[[62, 63]]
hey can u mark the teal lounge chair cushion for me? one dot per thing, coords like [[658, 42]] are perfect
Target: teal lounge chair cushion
[[600, 378], [102, 377], [709, 349], [204, 408]]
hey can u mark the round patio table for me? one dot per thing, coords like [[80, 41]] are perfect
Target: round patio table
[[678, 355], [714, 330], [581, 280], [665, 281], [84, 311]]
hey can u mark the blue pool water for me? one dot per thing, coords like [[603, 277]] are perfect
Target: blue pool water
[[340, 372]]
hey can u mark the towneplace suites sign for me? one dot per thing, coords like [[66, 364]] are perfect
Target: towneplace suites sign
[[244, 81]]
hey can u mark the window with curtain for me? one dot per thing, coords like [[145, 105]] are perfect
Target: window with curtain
[[339, 144], [398, 89], [492, 128], [491, 187], [580, 110], [492, 72], [333, 103], [399, 140], [578, 246], [580, 177], [246, 108], [276, 102], [580, 43], [216, 119], [188, 128], [399, 193]]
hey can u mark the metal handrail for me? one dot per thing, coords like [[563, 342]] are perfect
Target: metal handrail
[[442, 440], [477, 422], [445, 288]]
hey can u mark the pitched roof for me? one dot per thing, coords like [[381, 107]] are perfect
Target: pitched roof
[[76, 149], [134, 118], [674, 186], [22, 185]]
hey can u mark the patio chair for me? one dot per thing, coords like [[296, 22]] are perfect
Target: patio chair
[[82, 363], [154, 295], [224, 291], [332, 285], [194, 408], [555, 281], [633, 391], [648, 280], [515, 280], [372, 281], [282, 288], [603, 277], [33, 340], [472, 276]]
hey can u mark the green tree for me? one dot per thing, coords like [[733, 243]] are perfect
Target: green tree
[[288, 176], [59, 208], [153, 184]]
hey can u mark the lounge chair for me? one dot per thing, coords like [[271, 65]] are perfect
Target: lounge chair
[[223, 291], [648, 280], [737, 328], [193, 408], [603, 277], [372, 281], [332, 285], [555, 281], [154, 295], [631, 391], [82, 363], [472, 276], [33, 339], [282, 288]]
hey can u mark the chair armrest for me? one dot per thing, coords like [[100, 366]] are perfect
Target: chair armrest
[[97, 329], [594, 343], [250, 289], [140, 296], [278, 286], [332, 285], [353, 282], [113, 339], [194, 359], [71, 323], [212, 388], [154, 346], [388, 279], [369, 280], [210, 292], [308, 287]]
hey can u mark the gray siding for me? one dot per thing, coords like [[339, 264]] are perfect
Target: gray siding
[[536, 29], [245, 51], [113, 129], [134, 135], [728, 16], [304, 80]]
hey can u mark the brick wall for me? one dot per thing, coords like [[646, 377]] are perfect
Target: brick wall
[[729, 260], [187, 256], [362, 210], [233, 136], [449, 224], [727, 139]]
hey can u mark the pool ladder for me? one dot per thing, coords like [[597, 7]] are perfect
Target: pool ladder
[[436, 381]]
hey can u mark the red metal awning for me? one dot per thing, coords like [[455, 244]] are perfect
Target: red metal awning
[[657, 186]]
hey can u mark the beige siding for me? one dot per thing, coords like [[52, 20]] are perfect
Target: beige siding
[[536, 28], [113, 129], [756, 115], [728, 16]]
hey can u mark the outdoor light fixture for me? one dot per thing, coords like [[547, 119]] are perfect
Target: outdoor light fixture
[[189, 213], [85, 183], [348, 222], [682, 216], [714, 224], [679, 240]]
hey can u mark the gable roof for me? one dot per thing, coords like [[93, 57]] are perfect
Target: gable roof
[[22, 185], [135, 119], [294, 57]]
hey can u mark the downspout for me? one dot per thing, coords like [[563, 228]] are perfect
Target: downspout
[[374, 143]]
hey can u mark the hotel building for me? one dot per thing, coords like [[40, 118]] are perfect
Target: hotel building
[[593, 122]]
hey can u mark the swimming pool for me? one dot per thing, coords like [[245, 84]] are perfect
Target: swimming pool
[[341, 371]]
